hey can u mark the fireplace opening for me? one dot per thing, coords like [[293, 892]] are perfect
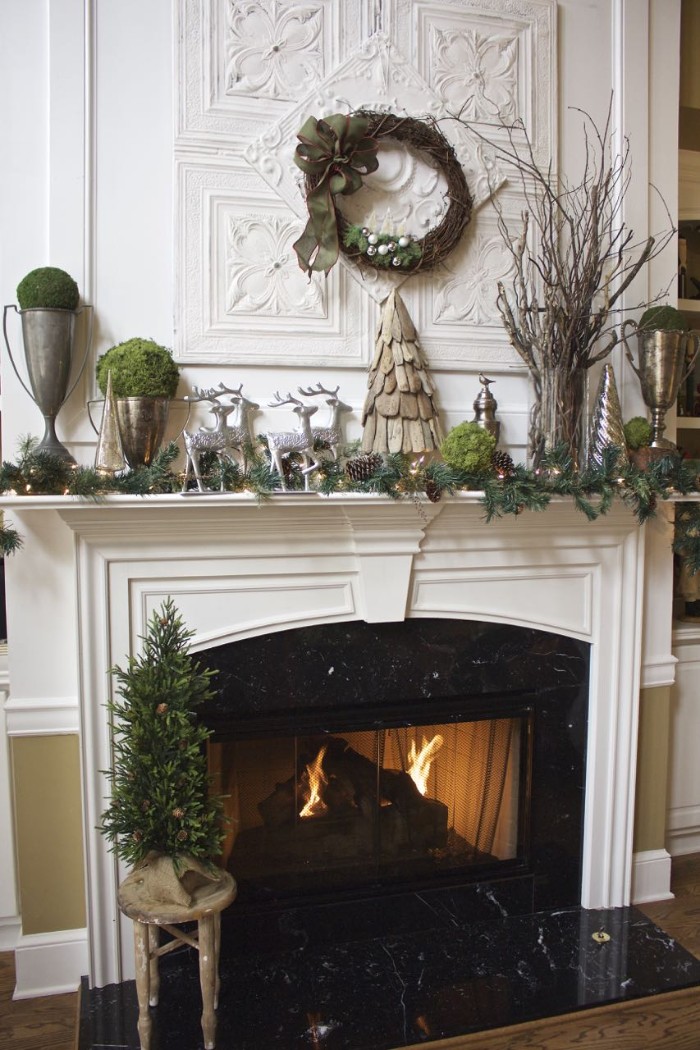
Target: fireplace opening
[[362, 760], [336, 811]]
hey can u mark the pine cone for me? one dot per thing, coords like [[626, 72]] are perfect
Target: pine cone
[[362, 467], [502, 464], [432, 491]]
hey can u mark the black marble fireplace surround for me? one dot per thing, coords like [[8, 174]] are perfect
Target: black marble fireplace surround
[[326, 680], [400, 964]]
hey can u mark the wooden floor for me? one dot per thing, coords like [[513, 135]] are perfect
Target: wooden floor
[[671, 1020]]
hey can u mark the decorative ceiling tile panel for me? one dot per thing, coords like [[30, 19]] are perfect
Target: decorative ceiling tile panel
[[241, 62], [242, 296], [490, 60], [273, 50]]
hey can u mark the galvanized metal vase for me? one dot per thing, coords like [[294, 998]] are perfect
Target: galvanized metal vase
[[142, 422], [49, 342]]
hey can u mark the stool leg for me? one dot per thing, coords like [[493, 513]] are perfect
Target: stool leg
[[153, 975], [217, 952], [142, 982], [207, 978]]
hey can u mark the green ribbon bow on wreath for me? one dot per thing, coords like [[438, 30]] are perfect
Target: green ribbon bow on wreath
[[338, 152]]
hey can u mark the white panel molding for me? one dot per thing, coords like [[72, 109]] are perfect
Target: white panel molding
[[42, 716], [658, 671], [683, 830], [651, 876], [41, 957], [564, 593], [10, 931]]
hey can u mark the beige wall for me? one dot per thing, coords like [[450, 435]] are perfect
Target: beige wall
[[690, 54], [48, 812], [689, 103], [652, 769]]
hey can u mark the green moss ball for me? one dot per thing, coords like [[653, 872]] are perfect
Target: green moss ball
[[637, 432], [48, 287], [663, 319], [140, 368], [469, 447]]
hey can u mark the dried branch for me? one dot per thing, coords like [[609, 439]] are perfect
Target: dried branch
[[573, 257], [571, 272]]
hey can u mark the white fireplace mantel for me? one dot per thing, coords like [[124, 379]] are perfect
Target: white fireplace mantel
[[236, 567]]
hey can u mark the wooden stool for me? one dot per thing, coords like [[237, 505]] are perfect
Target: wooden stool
[[208, 902]]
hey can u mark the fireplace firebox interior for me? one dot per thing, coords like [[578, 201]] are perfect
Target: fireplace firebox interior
[[369, 808]]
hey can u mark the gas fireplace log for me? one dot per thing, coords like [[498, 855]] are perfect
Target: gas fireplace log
[[350, 792], [358, 775], [280, 807]]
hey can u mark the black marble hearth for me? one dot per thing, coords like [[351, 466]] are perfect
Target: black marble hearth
[[396, 972]]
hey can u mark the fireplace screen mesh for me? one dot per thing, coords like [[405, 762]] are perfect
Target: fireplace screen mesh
[[346, 809]]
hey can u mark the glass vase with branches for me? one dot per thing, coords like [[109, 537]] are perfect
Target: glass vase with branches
[[572, 259]]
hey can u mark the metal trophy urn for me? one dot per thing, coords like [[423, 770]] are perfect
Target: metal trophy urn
[[666, 358], [49, 345]]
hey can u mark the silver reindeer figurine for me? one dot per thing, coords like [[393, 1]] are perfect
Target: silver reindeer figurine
[[282, 443], [331, 434], [226, 441]]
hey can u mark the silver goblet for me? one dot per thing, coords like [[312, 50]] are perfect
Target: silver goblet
[[663, 365], [49, 338]]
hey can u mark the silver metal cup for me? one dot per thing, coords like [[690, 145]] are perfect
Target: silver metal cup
[[49, 339], [663, 365], [141, 422]]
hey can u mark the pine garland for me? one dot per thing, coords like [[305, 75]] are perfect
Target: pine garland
[[593, 489]]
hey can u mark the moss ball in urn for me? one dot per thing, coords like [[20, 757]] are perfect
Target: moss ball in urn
[[140, 368], [49, 288]]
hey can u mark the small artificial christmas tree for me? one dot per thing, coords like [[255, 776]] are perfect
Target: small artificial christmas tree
[[161, 802]]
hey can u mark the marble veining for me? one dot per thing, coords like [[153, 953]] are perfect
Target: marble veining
[[371, 990]]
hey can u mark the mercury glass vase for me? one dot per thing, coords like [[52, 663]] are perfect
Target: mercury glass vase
[[559, 414]]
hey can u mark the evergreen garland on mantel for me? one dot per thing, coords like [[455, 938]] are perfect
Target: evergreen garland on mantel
[[593, 490]]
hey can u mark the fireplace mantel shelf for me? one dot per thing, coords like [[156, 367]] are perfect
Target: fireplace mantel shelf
[[474, 497]]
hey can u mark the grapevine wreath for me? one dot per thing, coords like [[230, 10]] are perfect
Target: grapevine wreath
[[335, 153]]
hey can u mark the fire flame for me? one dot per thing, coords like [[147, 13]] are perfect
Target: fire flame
[[419, 762], [317, 779]]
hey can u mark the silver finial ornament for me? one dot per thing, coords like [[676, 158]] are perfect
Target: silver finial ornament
[[485, 407]]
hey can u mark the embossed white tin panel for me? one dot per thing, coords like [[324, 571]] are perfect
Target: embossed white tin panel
[[491, 60], [242, 61], [250, 74], [243, 296]]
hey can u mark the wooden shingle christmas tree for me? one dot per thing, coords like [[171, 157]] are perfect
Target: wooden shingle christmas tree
[[399, 413]]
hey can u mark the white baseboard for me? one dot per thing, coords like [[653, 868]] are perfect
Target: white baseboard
[[10, 930], [651, 876], [50, 963]]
